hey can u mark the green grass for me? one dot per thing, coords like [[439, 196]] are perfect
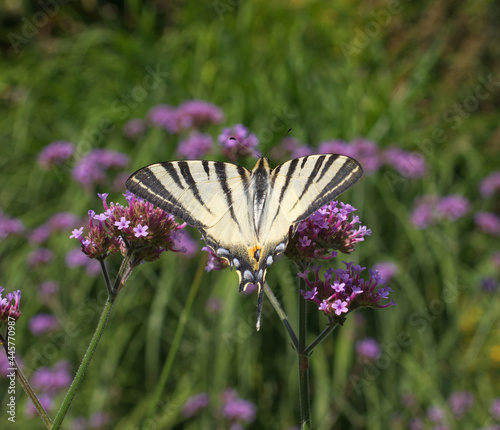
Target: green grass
[[262, 60]]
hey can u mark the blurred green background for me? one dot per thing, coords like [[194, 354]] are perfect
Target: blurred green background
[[399, 73]]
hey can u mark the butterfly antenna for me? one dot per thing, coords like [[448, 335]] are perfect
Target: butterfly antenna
[[259, 306], [285, 135], [249, 149]]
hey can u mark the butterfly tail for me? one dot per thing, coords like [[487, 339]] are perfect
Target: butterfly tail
[[259, 306]]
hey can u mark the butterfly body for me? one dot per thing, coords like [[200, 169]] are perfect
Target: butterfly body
[[245, 216]]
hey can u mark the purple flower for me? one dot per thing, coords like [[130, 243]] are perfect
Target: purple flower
[[197, 145], [488, 222], [46, 401], [186, 244], [290, 147], [123, 223], [214, 262], [416, 424], [196, 114], [214, 305], [42, 323], [40, 256], [75, 258], [423, 213], [134, 128], [51, 380], [92, 168], [490, 184], [386, 270], [40, 235], [48, 289], [408, 164], [194, 404], [452, 207], [9, 305], [436, 414], [98, 420], [237, 142], [495, 408], [368, 348], [489, 284], [10, 226], [62, 221], [236, 409], [163, 116], [150, 232], [363, 150], [460, 402], [336, 303], [55, 153], [325, 231]]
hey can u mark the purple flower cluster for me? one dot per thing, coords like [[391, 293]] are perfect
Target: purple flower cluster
[[42, 323], [490, 185], [460, 402], [368, 349], [236, 409], [51, 380], [188, 246], [140, 227], [236, 142], [290, 147], [58, 222], [10, 226], [194, 404], [40, 257], [197, 145], [190, 115], [488, 222], [134, 128], [386, 269], [363, 150], [92, 168], [343, 291], [430, 209], [75, 258], [407, 164], [55, 153], [327, 230], [9, 305]]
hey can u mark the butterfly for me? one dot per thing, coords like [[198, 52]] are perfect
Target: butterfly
[[245, 216]]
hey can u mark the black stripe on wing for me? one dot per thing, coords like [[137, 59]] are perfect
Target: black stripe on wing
[[346, 176], [147, 185], [220, 170]]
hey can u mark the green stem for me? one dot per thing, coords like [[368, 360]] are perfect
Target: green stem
[[284, 319], [123, 274], [84, 365], [304, 389], [26, 385], [178, 336], [321, 337]]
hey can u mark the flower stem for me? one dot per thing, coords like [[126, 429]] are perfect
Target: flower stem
[[284, 319], [124, 272], [304, 388], [84, 364], [322, 336], [26, 385]]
